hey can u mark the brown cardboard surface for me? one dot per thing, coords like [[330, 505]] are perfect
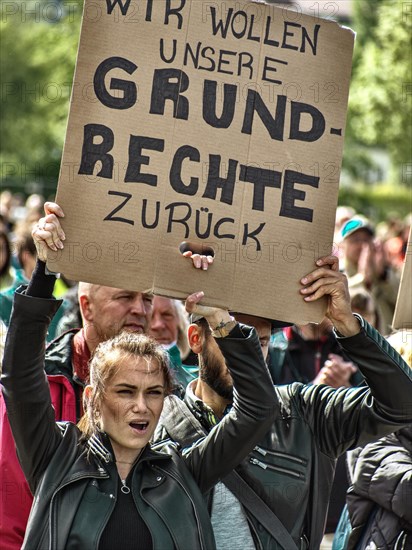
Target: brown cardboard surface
[[250, 108], [402, 318]]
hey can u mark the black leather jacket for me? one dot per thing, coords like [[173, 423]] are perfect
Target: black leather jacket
[[292, 466], [75, 482], [380, 498]]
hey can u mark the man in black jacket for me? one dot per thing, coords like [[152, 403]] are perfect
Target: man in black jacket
[[291, 470]]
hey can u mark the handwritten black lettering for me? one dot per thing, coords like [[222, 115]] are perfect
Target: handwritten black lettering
[[97, 152], [261, 178], [163, 89], [274, 125], [175, 177], [111, 217], [252, 235], [290, 195], [187, 212], [136, 159], [210, 100], [318, 122], [123, 7], [128, 88], [215, 182]]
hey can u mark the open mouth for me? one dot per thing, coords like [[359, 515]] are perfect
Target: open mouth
[[139, 427]]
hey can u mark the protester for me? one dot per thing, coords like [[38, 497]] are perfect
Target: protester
[[169, 324], [168, 327], [365, 263], [379, 513], [363, 303], [343, 214], [26, 256], [290, 471], [311, 354], [104, 311], [73, 473]]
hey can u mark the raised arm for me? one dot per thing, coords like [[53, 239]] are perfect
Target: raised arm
[[25, 388], [348, 417], [254, 399]]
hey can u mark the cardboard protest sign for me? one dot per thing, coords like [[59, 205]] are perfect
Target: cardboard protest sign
[[402, 317], [216, 123]]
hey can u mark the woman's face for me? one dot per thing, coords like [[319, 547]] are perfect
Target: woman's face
[[131, 405]]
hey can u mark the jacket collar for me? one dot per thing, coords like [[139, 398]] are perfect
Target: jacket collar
[[100, 447]]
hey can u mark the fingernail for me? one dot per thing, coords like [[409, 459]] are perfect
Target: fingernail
[[60, 245], [319, 262], [63, 237], [304, 280]]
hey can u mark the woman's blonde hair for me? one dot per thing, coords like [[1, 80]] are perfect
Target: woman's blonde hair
[[105, 364]]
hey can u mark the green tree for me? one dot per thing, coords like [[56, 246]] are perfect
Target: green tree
[[38, 52], [365, 20], [380, 99]]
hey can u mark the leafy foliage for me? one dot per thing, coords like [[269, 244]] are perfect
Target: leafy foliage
[[38, 52], [378, 202], [380, 100]]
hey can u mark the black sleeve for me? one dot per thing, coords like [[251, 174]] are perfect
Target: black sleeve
[[41, 285]]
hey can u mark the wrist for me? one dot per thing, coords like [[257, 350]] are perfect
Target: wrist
[[217, 319], [349, 326], [223, 328]]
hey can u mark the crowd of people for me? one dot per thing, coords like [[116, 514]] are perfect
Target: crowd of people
[[168, 425]]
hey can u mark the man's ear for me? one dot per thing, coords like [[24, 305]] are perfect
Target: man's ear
[[85, 308], [195, 338]]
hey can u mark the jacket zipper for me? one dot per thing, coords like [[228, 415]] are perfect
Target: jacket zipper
[[279, 454], [191, 500], [74, 478], [265, 466]]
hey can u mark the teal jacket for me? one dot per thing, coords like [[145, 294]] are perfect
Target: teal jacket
[[6, 305]]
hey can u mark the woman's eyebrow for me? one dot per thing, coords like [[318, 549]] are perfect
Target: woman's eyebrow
[[133, 387]]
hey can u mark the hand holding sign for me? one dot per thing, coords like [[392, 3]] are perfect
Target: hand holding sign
[[199, 260], [328, 281], [215, 316], [48, 233]]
